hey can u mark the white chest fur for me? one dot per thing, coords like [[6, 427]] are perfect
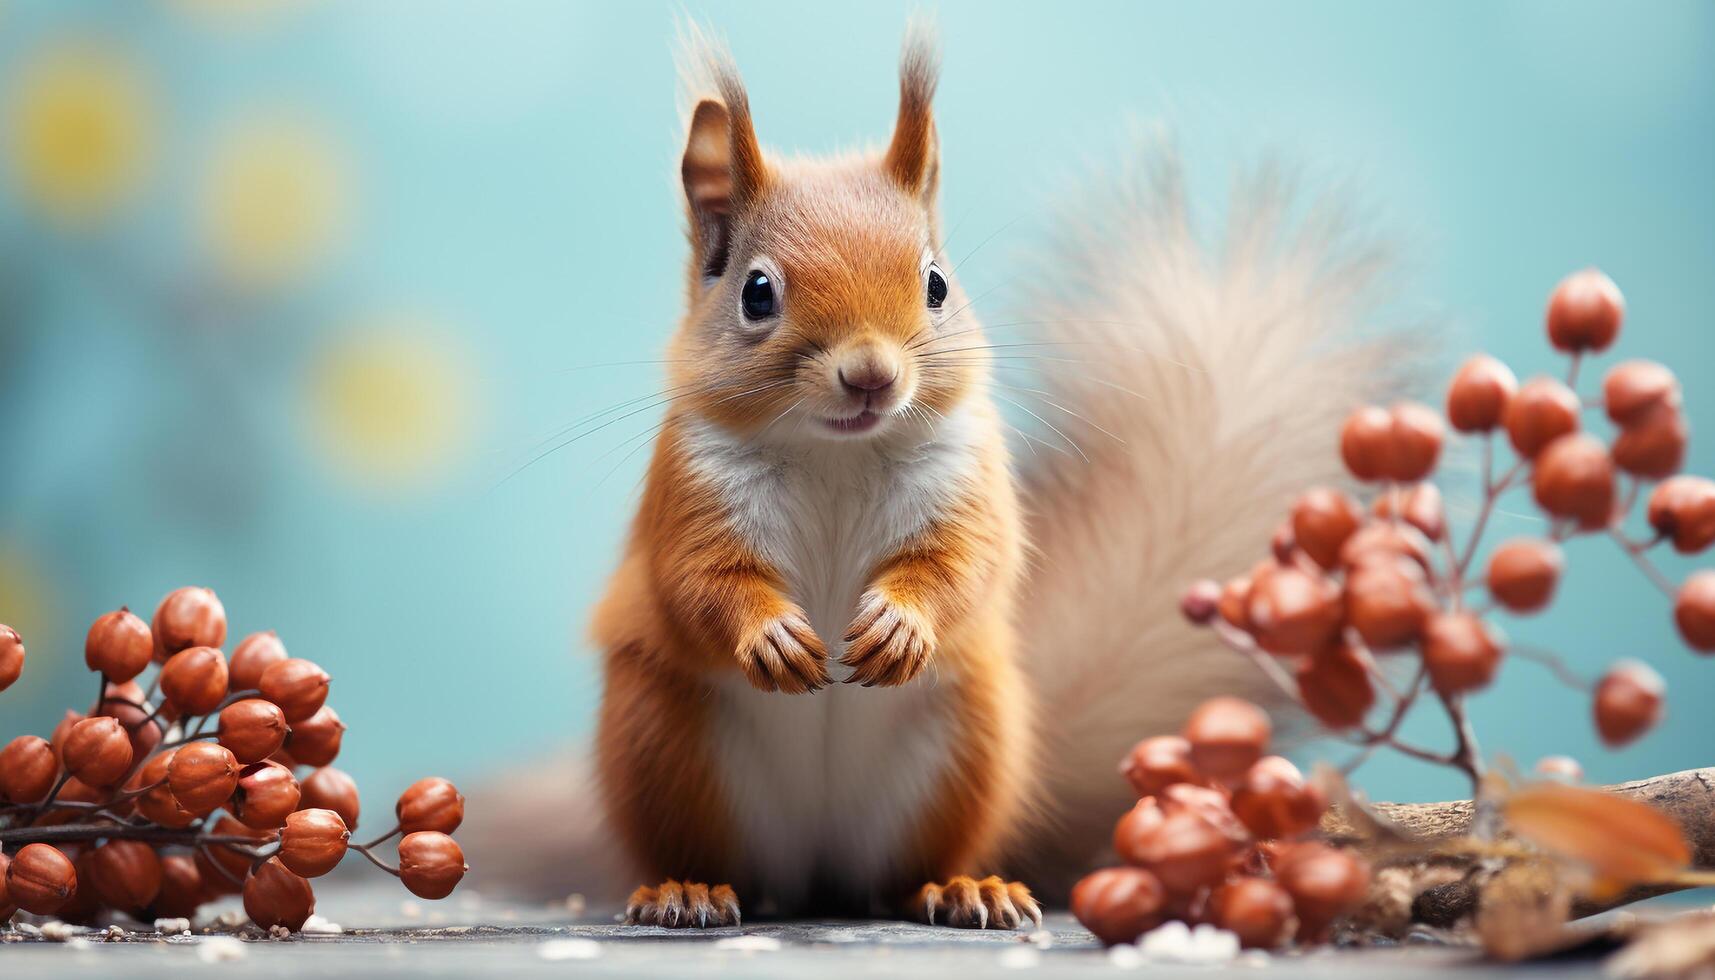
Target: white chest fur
[[829, 786]]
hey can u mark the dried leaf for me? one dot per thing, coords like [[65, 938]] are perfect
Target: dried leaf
[[1619, 839], [1683, 946], [1522, 912]]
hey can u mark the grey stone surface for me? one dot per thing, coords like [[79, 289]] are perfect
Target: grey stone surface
[[387, 935]]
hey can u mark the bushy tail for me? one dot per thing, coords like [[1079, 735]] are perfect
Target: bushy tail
[[1219, 370], [539, 831]]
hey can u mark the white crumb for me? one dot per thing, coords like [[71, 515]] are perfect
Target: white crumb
[[221, 949], [315, 925], [1124, 957], [114, 934], [1020, 958], [279, 932], [173, 927], [58, 931], [1174, 942], [232, 919], [410, 909], [1041, 939], [575, 904], [749, 944], [569, 949]]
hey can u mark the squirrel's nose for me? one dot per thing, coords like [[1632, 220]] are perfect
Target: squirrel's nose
[[869, 377]]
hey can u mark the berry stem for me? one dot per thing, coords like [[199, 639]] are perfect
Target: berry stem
[[363, 849], [1465, 754], [1491, 493], [53, 795], [1403, 705], [1242, 643], [175, 743], [384, 838], [1636, 549], [150, 833], [1376, 673], [1558, 667]]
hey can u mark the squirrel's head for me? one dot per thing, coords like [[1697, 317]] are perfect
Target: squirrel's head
[[818, 299]]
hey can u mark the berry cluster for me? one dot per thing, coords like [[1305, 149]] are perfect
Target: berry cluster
[[119, 810], [1214, 838], [1345, 586]]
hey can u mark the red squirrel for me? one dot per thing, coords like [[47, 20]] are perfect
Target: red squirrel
[[858, 659]]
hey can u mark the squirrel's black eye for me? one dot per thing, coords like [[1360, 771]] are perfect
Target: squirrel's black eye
[[757, 299], [937, 288]]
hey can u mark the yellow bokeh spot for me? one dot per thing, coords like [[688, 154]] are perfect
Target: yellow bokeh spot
[[26, 607], [390, 402], [273, 200], [77, 130]]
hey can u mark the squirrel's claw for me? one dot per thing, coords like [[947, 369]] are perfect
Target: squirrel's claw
[[785, 655], [991, 903], [676, 905], [887, 644]]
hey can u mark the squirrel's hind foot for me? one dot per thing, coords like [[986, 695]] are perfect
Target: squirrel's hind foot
[[682, 905], [966, 903]]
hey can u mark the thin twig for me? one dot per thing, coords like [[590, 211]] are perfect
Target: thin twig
[[383, 865], [384, 838], [1558, 667], [1636, 549]]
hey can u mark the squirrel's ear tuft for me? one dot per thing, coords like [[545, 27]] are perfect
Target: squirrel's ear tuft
[[913, 160], [723, 169]]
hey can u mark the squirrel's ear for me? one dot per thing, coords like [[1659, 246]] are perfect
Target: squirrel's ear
[[723, 172], [913, 159]]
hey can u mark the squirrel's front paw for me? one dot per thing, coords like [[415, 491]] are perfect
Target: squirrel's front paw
[[888, 643], [784, 654]]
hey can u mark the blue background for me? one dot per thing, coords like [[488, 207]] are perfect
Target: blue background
[[509, 226]]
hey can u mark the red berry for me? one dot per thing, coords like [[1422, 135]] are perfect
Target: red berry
[[430, 864], [1628, 702], [1461, 652], [1335, 687], [1694, 611], [1633, 389], [1585, 312], [313, 842], [1119, 904], [1524, 572], [11, 656], [1322, 520], [254, 654], [1683, 508], [1477, 399], [1227, 735], [430, 804], [119, 645], [1293, 611], [1258, 911], [1541, 412], [1574, 479], [274, 896], [1157, 763], [1273, 800], [187, 617]]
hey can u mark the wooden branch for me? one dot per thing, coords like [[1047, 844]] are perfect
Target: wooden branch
[[1688, 797]]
